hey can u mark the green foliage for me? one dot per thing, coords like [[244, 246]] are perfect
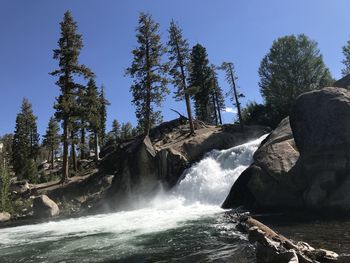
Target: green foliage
[[179, 56], [103, 114], [346, 60], [67, 105], [148, 71], [200, 79], [258, 114], [126, 131], [292, 66], [217, 96], [5, 202], [116, 130], [52, 138], [25, 145]]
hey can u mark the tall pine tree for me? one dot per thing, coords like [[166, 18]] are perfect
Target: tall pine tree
[[52, 139], [148, 72], [103, 113], [67, 54], [217, 95], [228, 67], [25, 145], [94, 114], [179, 56], [200, 81], [116, 130]]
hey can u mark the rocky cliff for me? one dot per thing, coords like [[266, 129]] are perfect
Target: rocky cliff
[[305, 161]]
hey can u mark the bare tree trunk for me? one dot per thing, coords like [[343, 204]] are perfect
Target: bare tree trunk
[[96, 146], [74, 153], [238, 105], [52, 158], [65, 167], [215, 113], [187, 96], [217, 102], [82, 142]]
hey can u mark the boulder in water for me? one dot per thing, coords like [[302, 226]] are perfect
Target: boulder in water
[[44, 207]]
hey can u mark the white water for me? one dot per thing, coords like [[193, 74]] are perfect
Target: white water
[[197, 196]]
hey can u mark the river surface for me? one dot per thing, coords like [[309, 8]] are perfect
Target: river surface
[[185, 225]]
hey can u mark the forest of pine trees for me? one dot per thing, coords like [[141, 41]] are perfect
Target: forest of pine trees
[[78, 128]]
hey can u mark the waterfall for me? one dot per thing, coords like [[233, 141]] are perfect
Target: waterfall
[[210, 180], [180, 218]]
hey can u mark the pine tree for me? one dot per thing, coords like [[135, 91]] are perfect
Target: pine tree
[[67, 53], [25, 142], [52, 139], [179, 56], [103, 113], [346, 60], [94, 114], [293, 66], [116, 130], [217, 95], [228, 67], [126, 131], [200, 82], [148, 72]]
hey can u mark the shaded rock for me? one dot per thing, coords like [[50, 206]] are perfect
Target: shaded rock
[[44, 207], [4, 217]]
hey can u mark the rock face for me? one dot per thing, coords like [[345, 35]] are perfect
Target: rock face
[[143, 165], [321, 127], [44, 207], [304, 164], [4, 217]]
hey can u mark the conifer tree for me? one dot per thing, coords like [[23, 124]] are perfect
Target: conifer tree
[[52, 139], [228, 67], [200, 81], [346, 61], [116, 130], [148, 72], [67, 54], [25, 142], [94, 113], [126, 131], [217, 95], [179, 56], [103, 113]]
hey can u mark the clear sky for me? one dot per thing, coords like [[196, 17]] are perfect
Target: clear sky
[[240, 31]]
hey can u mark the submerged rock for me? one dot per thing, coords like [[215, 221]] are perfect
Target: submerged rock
[[304, 162], [44, 207]]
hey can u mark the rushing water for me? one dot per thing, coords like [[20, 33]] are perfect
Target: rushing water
[[186, 225]]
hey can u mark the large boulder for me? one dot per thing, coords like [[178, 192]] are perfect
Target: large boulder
[[305, 162], [270, 181], [44, 207], [320, 122]]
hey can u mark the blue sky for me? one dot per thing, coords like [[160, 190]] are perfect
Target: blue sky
[[240, 31]]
